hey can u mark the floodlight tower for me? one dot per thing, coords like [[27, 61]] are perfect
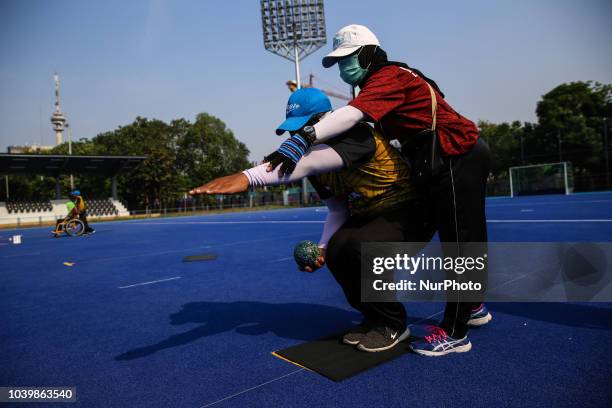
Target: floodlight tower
[[293, 29], [57, 119]]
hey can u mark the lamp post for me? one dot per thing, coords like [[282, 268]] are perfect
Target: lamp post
[[559, 143], [67, 125], [293, 29], [607, 162]]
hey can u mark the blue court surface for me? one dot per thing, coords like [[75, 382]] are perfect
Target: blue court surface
[[131, 325]]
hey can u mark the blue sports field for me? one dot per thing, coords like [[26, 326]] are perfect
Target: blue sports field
[[131, 325]]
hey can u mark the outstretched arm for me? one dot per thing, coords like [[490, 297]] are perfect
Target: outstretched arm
[[337, 122], [320, 159]]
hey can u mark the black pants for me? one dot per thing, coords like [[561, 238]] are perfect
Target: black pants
[[83, 217], [343, 256], [457, 199]]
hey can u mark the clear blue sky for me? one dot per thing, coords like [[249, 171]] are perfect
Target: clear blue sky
[[171, 59]]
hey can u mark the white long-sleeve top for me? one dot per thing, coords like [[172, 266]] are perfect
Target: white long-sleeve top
[[320, 159]]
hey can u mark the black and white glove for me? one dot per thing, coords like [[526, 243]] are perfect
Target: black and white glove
[[291, 151]]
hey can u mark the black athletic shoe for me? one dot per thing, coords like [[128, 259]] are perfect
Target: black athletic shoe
[[381, 338], [356, 334]]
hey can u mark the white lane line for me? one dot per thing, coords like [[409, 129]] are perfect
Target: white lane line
[[252, 388], [425, 318], [553, 221], [323, 222], [18, 255], [293, 372], [282, 259], [113, 258], [508, 282], [149, 283], [230, 222], [549, 203]]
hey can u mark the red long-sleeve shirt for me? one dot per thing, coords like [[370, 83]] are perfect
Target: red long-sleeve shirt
[[400, 102]]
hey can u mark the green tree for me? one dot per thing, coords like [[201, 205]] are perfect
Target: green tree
[[504, 140], [157, 177], [207, 149], [97, 186], [573, 113], [180, 155]]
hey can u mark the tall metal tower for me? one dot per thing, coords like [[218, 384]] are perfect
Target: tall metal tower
[[57, 119], [293, 29]]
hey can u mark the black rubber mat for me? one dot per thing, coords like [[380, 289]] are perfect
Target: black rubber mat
[[335, 360], [201, 257]]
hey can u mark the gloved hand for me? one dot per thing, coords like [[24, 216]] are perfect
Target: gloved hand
[[288, 154]]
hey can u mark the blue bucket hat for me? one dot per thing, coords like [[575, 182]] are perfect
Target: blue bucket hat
[[301, 106]]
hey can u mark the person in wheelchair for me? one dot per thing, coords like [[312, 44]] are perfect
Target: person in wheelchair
[[60, 224], [76, 197]]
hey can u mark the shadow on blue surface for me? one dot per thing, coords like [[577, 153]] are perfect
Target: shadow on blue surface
[[565, 314], [299, 321]]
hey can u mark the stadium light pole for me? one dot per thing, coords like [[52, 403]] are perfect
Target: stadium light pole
[[293, 29], [607, 162], [559, 142], [67, 125], [296, 56]]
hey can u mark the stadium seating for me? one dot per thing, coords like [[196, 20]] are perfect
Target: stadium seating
[[101, 207], [37, 212], [23, 206]]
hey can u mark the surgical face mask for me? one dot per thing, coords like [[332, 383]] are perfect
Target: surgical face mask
[[350, 70]]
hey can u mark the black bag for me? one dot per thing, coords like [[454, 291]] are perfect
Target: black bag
[[423, 150], [425, 156]]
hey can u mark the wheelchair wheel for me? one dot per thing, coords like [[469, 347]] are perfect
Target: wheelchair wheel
[[74, 228]]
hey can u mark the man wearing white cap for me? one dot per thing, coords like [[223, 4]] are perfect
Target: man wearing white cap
[[448, 159]]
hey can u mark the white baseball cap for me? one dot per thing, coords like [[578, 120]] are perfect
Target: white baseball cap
[[348, 40]]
